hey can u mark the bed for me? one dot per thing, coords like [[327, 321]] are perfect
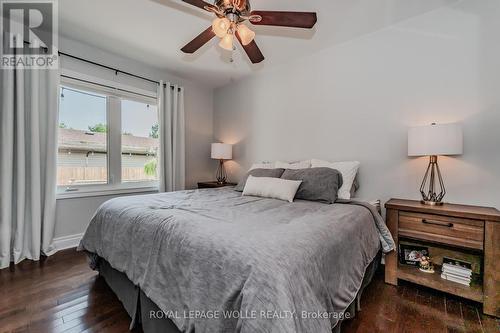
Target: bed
[[215, 261]]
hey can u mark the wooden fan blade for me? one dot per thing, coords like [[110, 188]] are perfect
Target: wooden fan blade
[[252, 51], [199, 41], [200, 4], [285, 19]]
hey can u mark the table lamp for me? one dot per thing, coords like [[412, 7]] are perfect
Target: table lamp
[[221, 152], [434, 140]]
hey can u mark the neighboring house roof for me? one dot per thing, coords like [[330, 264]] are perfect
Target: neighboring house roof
[[87, 141]]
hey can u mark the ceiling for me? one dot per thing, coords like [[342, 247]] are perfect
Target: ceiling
[[153, 31]]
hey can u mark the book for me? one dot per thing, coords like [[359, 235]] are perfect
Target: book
[[463, 276], [458, 271], [457, 280], [458, 268], [468, 279], [459, 264]]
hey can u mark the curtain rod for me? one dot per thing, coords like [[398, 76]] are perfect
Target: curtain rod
[[105, 86], [116, 70]]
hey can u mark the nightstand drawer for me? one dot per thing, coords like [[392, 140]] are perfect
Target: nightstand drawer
[[443, 229]]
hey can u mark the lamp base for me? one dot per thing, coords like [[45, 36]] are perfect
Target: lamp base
[[221, 173], [432, 176], [431, 203]]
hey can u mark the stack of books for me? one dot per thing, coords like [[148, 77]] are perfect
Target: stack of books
[[458, 271]]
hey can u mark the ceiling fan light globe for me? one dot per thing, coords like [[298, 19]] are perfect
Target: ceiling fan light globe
[[220, 26], [227, 42], [246, 35]]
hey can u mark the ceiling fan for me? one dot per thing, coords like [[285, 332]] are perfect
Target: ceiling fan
[[229, 24]]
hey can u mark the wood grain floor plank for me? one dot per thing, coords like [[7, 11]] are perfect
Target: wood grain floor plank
[[490, 324], [432, 310], [471, 319], [454, 317]]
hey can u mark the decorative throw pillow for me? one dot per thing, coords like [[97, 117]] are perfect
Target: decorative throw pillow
[[294, 165], [275, 188], [348, 171], [318, 184], [273, 173], [264, 165]]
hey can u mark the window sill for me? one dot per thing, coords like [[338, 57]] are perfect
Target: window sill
[[84, 193]]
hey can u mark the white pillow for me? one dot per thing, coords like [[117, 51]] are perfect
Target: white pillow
[[266, 165], [348, 171], [295, 165], [268, 187]]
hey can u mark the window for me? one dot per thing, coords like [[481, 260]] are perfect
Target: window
[[108, 138], [139, 141], [82, 145]]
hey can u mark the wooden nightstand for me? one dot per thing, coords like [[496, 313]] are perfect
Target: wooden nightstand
[[460, 227], [214, 184]]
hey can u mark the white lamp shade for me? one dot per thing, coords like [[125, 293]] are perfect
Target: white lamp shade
[[435, 140], [222, 151]]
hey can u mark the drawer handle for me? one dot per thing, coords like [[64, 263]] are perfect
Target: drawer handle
[[439, 223]]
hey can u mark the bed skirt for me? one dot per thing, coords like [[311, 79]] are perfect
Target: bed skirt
[[139, 307]]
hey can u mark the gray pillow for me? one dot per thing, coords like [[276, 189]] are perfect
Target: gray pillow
[[355, 187], [318, 184], [273, 173]]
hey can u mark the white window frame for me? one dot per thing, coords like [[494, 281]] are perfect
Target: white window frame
[[114, 94]]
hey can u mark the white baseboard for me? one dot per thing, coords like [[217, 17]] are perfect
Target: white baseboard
[[67, 242]]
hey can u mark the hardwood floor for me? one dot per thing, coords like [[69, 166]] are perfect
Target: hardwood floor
[[61, 294], [412, 308]]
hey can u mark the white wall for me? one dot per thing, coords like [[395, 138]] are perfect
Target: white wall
[[73, 215], [355, 100]]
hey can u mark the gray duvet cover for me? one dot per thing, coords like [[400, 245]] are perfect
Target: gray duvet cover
[[215, 261]]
